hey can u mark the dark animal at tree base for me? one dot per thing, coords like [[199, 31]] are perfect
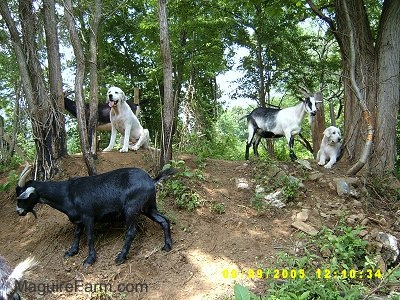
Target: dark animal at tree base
[[103, 117], [119, 195]]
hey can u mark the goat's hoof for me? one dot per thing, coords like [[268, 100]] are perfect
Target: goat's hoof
[[89, 261], [70, 253], [167, 248], [120, 259]]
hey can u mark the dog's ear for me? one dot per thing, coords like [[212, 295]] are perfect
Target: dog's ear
[[123, 98], [327, 132]]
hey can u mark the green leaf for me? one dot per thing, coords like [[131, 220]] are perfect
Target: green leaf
[[241, 292]]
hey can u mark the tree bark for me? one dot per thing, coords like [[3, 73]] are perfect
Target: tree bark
[[55, 78], [317, 124], [94, 86], [377, 75], [387, 52], [43, 118], [168, 107], [79, 80]]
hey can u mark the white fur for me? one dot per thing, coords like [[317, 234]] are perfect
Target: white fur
[[330, 147], [124, 121]]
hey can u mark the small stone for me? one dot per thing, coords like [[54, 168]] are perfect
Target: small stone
[[242, 183], [342, 188], [303, 215], [315, 176], [305, 228]]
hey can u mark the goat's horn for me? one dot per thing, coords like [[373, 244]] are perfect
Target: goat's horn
[[24, 175], [304, 91]]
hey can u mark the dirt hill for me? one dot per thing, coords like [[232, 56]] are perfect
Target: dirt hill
[[205, 243]]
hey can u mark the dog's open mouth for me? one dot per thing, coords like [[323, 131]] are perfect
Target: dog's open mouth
[[112, 103]]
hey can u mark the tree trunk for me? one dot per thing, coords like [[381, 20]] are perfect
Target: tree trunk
[[168, 107], [94, 86], [55, 78], [388, 61], [43, 118], [376, 74], [318, 124], [79, 80]]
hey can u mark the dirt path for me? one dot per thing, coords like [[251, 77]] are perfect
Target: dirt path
[[204, 243]]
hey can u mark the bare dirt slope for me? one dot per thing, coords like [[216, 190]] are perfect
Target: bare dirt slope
[[204, 243]]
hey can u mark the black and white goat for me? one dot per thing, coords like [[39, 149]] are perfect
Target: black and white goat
[[121, 194], [275, 123], [9, 278]]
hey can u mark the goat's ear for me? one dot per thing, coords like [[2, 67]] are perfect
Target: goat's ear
[[26, 193]]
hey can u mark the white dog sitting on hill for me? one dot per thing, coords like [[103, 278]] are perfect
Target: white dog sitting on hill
[[123, 120], [330, 147]]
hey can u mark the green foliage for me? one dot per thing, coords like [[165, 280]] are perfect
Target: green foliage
[[258, 202], [307, 275], [10, 183], [218, 208], [383, 187], [181, 187], [290, 187], [345, 247]]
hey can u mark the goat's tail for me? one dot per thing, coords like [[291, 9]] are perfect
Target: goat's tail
[[164, 174], [243, 117], [22, 267], [16, 275]]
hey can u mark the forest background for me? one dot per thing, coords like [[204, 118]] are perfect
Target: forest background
[[346, 50]]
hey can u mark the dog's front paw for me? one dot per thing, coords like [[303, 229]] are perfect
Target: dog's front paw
[[321, 163], [135, 147], [108, 149], [123, 149], [328, 166]]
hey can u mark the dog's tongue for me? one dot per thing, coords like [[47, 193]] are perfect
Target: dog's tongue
[[111, 104]]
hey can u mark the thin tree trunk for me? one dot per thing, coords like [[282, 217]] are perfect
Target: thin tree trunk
[[55, 78], [94, 86], [168, 107], [79, 96], [317, 124]]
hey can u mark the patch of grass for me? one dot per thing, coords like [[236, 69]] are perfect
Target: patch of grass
[[10, 183], [181, 187], [329, 267], [218, 208]]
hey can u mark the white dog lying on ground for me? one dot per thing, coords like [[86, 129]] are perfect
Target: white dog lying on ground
[[330, 147], [123, 120]]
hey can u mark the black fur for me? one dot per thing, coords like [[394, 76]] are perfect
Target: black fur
[[103, 116], [121, 194]]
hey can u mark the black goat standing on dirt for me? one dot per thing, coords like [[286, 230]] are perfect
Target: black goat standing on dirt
[[119, 194]]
